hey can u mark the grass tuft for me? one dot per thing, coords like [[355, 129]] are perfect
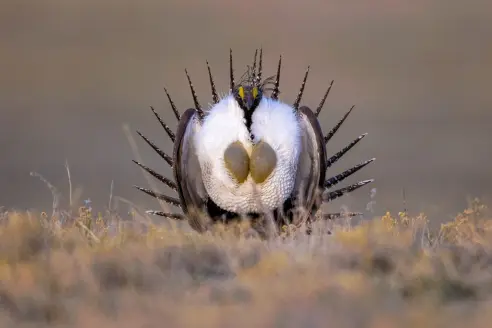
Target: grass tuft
[[98, 270]]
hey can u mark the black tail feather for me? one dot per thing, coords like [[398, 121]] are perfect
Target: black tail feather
[[173, 106], [322, 103], [161, 178], [164, 198], [171, 216], [342, 176], [331, 195], [336, 127], [276, 90], [165, 156], [333, 216], [198, 107], [170, 132], [260, 66], [253, 71], [301, 91], [231, 71], [333, 159], [215, 96]]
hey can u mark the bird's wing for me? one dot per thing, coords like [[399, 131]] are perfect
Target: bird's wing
[[312, 164], [187, 171]]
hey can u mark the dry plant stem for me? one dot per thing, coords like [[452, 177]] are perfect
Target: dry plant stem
[[54, 192], [69, 184], [88, 231], [110, 197]]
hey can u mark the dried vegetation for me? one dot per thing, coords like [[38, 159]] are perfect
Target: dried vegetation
[[390, 271]]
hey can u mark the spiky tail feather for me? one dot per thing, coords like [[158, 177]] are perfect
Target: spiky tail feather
[[333, 216], [161, 178], [165, 156], [172, 216], [301, 91], [331, 195], [342, 176], [164, 198]]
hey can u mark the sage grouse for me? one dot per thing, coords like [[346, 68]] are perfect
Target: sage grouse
[[249, 155]]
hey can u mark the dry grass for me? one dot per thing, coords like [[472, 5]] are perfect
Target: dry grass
[[386, 272]]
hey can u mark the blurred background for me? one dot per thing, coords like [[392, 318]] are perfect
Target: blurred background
[[73, 73]]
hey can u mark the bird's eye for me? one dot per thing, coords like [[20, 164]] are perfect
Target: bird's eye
[[255, 92], [241, 92]]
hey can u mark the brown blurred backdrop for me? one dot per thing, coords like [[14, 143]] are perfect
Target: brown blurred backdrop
[[73, 72]]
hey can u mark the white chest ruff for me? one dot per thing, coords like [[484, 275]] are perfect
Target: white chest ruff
[[273, 122]]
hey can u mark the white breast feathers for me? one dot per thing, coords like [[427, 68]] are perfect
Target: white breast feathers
[[273, 122]]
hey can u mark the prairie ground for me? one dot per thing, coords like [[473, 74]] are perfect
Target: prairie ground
[[95, 270]]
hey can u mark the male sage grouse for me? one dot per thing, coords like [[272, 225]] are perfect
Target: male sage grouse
[[250, 155]]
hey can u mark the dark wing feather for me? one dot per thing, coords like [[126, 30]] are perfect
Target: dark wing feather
[[312, 163], [187, 172]]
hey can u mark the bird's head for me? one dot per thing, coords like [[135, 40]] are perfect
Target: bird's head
[[248, 96]]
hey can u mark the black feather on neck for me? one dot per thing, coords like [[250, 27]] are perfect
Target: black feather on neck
[[248, 116]]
